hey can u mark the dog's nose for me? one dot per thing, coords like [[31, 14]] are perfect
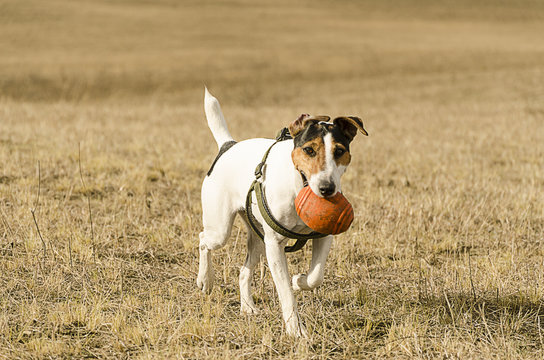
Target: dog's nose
[[327, 189]]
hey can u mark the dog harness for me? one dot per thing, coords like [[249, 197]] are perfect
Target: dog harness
[[264, 209]]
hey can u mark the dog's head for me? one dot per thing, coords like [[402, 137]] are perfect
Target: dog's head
[[321, 152]]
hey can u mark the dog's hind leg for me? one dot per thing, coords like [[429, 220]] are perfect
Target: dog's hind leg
[[255, 248], [320, 251], [217, 218]]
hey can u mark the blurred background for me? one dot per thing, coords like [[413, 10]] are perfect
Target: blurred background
[[259, 52]]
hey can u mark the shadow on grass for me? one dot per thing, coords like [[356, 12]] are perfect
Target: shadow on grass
[[487, 307]]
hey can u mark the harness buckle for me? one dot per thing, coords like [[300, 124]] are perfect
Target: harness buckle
[[259, 170]]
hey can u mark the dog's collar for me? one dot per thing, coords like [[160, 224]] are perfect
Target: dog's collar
[[264, 209], [283, 134]]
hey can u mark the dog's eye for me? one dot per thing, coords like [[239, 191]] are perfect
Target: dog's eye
[[339, 152], [309, 151]]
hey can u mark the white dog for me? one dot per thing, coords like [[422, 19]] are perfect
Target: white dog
[[318, 154]]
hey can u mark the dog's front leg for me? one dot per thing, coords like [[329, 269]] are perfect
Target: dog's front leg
[[320, 251], [277, 262]]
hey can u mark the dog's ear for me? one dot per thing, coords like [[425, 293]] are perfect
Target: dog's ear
[[349, 126], [303, 120]]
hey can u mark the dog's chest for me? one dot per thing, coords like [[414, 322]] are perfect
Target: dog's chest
[[282, 205]]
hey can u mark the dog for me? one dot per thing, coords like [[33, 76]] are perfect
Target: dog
[[318, 154]]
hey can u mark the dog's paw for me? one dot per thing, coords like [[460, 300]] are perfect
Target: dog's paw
[[205, 282], [297, 330], [299, 281], [250, 309]]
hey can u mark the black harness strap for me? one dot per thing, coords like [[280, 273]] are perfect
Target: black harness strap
[[249, 214], [264, 209], [227, 145]]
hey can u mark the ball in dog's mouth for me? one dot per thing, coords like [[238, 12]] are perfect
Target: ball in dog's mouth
[[332, 215]]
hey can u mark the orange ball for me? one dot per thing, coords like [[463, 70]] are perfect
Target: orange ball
[[331, 215]]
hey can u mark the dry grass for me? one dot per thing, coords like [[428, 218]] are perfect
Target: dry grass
[[444, 259]]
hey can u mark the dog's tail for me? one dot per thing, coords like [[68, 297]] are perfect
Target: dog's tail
[[216, 121]]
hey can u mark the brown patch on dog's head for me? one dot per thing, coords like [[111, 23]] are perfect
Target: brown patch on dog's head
[[309, 158], [340, 154]]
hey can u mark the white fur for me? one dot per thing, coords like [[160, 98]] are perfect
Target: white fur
[[330, 173], [223, 196], [216, 121]]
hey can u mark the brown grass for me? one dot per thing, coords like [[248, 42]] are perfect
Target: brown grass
[[444, 259]]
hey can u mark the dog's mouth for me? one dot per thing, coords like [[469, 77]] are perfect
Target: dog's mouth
[[304, 178]]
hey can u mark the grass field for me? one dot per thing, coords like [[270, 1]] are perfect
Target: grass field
[[445, 258]]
